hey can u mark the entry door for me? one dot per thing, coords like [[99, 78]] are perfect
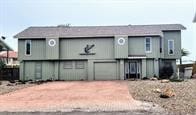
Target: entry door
[[38, 70], [133, 70], [133, 67]]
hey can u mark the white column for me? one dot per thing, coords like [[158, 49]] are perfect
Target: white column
[[156, 67], [90, 70], [143, 68], [122, 70]]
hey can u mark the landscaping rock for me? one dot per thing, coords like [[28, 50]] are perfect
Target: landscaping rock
[[194, 76], [10, 84], [145, 78], [12, 81], [157, 90], [153, 79], [165, 81], [167, 93]]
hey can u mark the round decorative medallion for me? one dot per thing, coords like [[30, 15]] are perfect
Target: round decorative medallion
[[51, 42], [121, 41]]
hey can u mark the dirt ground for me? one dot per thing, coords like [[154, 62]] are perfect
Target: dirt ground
[[72, 95], [183, 103]]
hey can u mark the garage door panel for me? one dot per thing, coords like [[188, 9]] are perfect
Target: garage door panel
[[105, 71]]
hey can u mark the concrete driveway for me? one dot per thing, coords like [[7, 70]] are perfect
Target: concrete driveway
[[71, 96]]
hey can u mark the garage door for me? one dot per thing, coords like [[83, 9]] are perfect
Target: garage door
[[105, 71]]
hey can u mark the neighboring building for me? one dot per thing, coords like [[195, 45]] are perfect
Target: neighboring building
[[12, 58], [4, 46], [98, 52]]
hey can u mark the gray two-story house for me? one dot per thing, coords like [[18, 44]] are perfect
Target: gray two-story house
[[97, 52]]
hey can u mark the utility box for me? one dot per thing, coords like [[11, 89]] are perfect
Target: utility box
[[188, 72]]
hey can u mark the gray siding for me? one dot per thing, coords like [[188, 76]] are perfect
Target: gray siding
[[176, 36], [71, 48], [48, 70], [121, 51], [73, 73], [137, 47], [107, 63], [105, 71], [52, 52], [29, 72], [92, 66], [38, 49], [150, 68]]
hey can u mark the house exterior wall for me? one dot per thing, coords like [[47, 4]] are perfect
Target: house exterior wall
[[107, 57], [150, 68], [73, 48], [136, 46], [121, 51], [52, 52], [27, 70], [73, 73], [38, 50], [176, 36]]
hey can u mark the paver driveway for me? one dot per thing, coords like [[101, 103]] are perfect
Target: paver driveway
[[68, 96]]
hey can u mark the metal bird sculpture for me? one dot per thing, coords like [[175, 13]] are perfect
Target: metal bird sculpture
[[87, 48]]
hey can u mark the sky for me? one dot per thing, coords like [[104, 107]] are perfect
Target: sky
[[16, 15]]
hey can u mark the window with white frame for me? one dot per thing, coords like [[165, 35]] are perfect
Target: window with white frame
[[148, 44], [170, 47], [28, 47]]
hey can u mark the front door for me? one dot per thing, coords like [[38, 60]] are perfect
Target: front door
[[132, 70]]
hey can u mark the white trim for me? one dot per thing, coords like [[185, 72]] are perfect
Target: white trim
[[172, 47], [123, 41], [26, 48], [150, 44], [142, 57], [52, 40]]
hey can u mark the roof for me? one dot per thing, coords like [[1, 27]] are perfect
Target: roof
[[4, 45], [12, 54], [97, 31]]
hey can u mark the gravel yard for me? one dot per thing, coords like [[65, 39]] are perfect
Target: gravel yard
[[6, 89], [184, 102]]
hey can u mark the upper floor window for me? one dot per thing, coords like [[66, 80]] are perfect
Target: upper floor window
[[170, 47], [28, 47], [148, 45]]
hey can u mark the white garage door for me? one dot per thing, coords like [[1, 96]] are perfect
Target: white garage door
[[105, 71]]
